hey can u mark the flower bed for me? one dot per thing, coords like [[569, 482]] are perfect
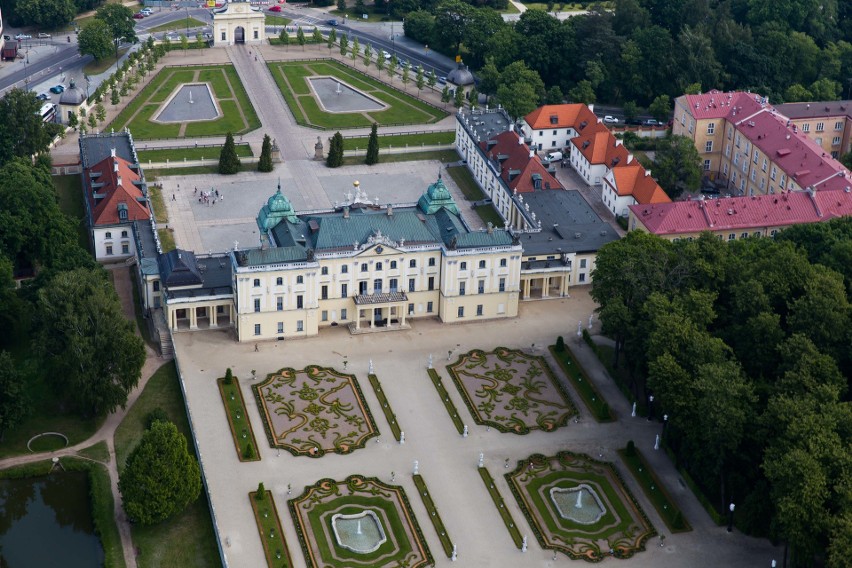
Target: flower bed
[[596, 403], [445, 398], [383, 401], [446, 543], [241, 430], [269, 527]]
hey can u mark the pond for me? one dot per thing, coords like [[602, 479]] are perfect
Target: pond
[[47, 521]]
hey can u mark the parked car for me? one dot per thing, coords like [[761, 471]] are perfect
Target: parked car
[[332, 22], [554, 156], [652, 122], [58, 89], [386, 55], [146, 11], [43, 35], [608, 119], [19, 37], [275, 8], [138, 16], [442, 80], [43, 97]]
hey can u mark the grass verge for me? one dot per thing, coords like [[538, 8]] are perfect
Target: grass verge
[[69, 190], [141, 324], [620, 375], [468, 186], [488, 214], [442, 155], [161, 215], [178, 154], [424, 138], [179, 25], [654, 490], [277, 20], [593, 400], [98, 452], [186, 540], [445, 398], [501, 507], [446, 543], [241, 430], [383, 401], [194, 171], [269, 528], [96, 67]]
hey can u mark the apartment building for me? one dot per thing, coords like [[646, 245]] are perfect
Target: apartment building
[[828, 123]]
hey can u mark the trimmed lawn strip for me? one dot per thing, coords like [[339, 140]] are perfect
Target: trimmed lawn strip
[[177, 154], [425, 138], [141, 324], [69, 190], [468, 186], [242, 97], [655, 491], [438, 155], [488, 214], [268, 523], [501, 507], [161, 214], [446, 543], [152, 175], [596, 403], [235, 408], [383, 401], [100, 497], [167, 240], [179, 25], [277, 20], [445, 398], [619, 375], [98, 452]]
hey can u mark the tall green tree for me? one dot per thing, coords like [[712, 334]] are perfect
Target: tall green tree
[[677, 165], [300, 37], [88, 347], [229, 162], [23, 133], [43, 13], [95, 39], [264, 164], [120, 20], [332, 37], [161, 477], [14, 395], [284, 37], [335, 151], [344, 45], [661, 108], [372, 156]]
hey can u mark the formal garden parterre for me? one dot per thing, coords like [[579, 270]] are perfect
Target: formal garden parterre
[[359, 522], [511, 391], [236, 113], [579, 506], [313, 411], [293, 79]]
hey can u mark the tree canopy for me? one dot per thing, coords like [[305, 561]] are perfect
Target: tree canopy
[[24, 133], [95, 39], [121, 24], [160, 477]]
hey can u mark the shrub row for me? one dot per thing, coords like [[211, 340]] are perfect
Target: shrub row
[[501, 507], [654, 489], [446, 543], [596, 403], [445, 398], [269, 526], [235, 408], [383, 400]]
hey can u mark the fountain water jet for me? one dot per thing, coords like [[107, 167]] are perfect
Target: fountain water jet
[[579, 503]]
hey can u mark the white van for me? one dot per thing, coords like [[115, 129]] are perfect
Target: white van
[[554, 156]]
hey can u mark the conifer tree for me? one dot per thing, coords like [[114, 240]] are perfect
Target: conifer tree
[[372, 147], [229, 163], [335, 151], [284, 37], [265, 162]]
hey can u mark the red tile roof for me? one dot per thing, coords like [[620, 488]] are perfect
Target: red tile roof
[[734, 106], [560, 116], [118, 190], [743, 213], [517, 167], [796, 155], [601, 147], [633, 179]]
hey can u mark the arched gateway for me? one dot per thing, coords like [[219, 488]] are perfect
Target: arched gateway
[[238, 22]]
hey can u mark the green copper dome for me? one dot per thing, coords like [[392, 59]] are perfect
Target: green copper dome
[[277, 208], [437, 196]]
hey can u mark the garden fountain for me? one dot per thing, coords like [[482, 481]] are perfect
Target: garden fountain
[[586, 508], [360, 532]]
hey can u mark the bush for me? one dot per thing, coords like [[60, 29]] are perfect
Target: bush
[[604, 414], [229, 376], [677, 522], [261, 491], [249, 453], [631, 448], [158, 414], [560, 344]]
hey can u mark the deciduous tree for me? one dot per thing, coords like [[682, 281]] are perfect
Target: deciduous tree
[[14, 397], [677, 165], [23, 132], [95, 39], [120, 20]]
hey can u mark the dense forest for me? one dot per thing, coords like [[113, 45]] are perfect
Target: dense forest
[[746, 347], [636, 50]]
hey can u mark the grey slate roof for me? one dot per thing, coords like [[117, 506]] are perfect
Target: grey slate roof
[[215, 275], [179, 268], [568, 224], [96, 147]]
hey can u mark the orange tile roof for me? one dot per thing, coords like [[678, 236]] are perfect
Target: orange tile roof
[[118, 189], [633, 179], [601, 147], [518, 168], [560, 116]]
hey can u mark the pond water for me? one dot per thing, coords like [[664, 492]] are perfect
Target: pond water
[[47, 521]]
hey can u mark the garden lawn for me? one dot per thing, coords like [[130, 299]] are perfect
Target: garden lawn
[[238, 421], [596, 403], [425, 138], [180, 25], [654, 491], [501, 507], [186, 540], [277, 20], [443, 156], [238, 115], [177, 154], [69, 189], [291, 78], [266, 515], [97, 67], [488, 214], [468, 186]]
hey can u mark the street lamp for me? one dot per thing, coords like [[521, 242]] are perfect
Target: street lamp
[[731, 508], [665, 423], [650, 407]]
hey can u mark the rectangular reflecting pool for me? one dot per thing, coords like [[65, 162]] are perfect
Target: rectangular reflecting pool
[[47, 521]]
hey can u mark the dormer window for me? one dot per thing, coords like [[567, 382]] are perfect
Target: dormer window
[[122, 214]]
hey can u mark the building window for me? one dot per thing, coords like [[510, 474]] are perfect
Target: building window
[[806, 127], [820, 126], [772, 173], [393, 264], [324, 315], [300, 325], [344, 269], [429, 307], [324, 292], [413, 263], [156, 286], [463, 266], [124, 234], [502, 287], [708, 146], [481, 287], [706, 165], [300, 279], [461, 311], [711, 128], [764, 165], [363, 267], [362, 287], [582, 277], [257, 329], [479, 309], [481, 264], [732, 236], [300, 302], [255, 34], [257, 282], [838, 125], [744, 236], [725, 169], [343, 314], [109, 249], [818, 141], [344, 290], [432, 261], [582, 263], [280, 327], [378, 266], [324, 271], [279, 304], [773, 232], [835, 141], [411, 284], [503, 263], [279, 281], [431, 283], [411, 309], [108, 235], [257, 304], [125, 248], [754, 157], [223, 36], [756, 234]]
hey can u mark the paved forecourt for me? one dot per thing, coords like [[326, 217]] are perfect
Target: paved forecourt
[[447, 461]]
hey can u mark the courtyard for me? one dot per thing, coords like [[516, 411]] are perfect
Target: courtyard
[[330, 95], [447, 460], [185, 102]]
